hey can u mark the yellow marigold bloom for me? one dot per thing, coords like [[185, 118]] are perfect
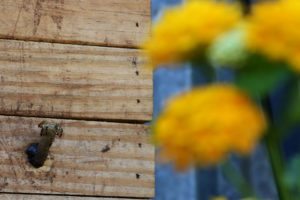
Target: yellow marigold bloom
[[204, 125], [274, 30], [189, 27]]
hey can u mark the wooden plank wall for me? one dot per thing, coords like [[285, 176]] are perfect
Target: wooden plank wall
[[123, 23], [74, 81], [76, 60], [47, 197], [92, 158]]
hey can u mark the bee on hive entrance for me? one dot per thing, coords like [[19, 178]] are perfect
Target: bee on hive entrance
[[37, 152]]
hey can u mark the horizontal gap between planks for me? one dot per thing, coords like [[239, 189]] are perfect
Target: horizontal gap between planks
[[67, 42], [68, 195], [120, 121]]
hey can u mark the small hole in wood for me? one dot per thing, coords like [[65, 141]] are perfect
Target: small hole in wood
[[140, 145], [134, 61], [137, 24], [138, 101], [137, 73], [105, 149], [137, 176]]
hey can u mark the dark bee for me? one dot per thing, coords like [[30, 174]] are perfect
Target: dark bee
[[37, 152]]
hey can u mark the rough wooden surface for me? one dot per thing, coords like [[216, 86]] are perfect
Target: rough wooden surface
[[48, 197], [92, 158], [73, 81], [101, 22]]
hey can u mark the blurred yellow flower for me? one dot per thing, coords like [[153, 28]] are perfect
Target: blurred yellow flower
[[189, 27], [204, 125], [274, 31]]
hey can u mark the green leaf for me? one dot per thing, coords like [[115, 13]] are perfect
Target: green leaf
[[260, 76]]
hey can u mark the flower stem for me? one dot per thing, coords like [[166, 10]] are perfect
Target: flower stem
[[235, 177], [274, 149], [273, 146]]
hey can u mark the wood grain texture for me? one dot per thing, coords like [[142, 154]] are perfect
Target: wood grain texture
[[122, 23], [74, 81], [92, 158], [46, 197]]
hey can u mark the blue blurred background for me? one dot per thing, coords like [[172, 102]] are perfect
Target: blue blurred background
[[206, 183]]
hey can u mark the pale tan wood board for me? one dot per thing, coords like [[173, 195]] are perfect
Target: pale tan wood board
[[123, 23], [91, 158], [74, 81], [44, 197]]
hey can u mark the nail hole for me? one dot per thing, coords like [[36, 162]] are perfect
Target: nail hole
[[137, 24], [137, 176], [137, 73], [140, 145], [138, 101], [105, 149], [134, 61]]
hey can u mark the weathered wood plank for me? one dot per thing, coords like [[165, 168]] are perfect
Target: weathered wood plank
[[44, 197], [121, 23], [92, 158], [73, 81]]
